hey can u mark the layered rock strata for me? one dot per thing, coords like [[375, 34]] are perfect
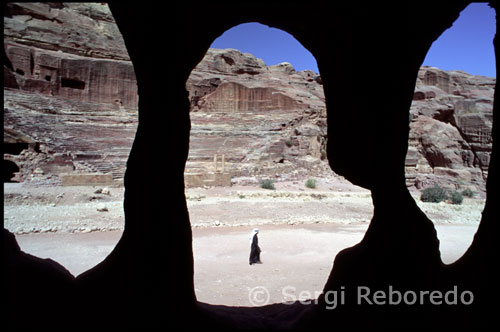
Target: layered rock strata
[[265, 120], [450, 129], [271, 121], [70, 103], [70, 92]]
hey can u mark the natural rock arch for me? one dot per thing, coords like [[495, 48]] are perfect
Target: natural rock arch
[[270, 122], [145, 282]]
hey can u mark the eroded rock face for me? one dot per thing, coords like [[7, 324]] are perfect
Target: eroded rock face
[[271, 120], [70, 50], [70, 92], [450, 129], [266, 121], [71, 98], [84, 29], [99, 81]]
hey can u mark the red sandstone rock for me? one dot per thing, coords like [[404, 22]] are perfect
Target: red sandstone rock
[[70, 91], [70, 50], [265, 120], [69, 88], [450, 129], [268, 116], [73, 77], [84, 29]]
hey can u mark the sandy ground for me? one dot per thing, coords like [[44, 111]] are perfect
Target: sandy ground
[[41, 209], [77, 252], [301, 231], [296, 260]]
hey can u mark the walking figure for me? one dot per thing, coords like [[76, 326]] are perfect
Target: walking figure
[[254, 248]]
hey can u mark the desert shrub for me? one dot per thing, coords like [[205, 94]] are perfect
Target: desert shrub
[[311, 183], [468, 193], [288, 142], [456, 198], [267, 184], [434, 194]]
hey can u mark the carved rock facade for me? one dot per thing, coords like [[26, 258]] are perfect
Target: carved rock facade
[[70, 91], [272, 121], [266, 121], [450, 129]]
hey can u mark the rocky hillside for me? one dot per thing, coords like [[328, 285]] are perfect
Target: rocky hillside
[[450, 129], [70, 106], [70, 94], [271, 121], [266, 121]]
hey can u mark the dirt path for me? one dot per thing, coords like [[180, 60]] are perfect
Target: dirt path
[[77, 252], [297, 259], [302, 230]]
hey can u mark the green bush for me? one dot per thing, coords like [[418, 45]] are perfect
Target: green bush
[[434, 194], [288, 142], [311, 183], [456, 198], [468, 193], [267, 184]]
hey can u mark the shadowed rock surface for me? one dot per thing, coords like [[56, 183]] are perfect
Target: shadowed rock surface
[[143, 284]]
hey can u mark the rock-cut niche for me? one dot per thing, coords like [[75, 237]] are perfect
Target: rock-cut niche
[[450, 139], [253, 121]]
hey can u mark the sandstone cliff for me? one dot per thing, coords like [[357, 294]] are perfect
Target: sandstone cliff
[[266, 121], [450, 129], [70, 94], [271, 121], [70, 106]]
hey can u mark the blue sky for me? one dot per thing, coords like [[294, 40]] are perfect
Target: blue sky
[[467, 45], [270, 44]]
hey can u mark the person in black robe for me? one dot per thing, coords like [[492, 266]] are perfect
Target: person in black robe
[[254, 248]]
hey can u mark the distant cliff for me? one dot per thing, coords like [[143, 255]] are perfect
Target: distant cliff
[[450, 129], [70, 93], [69, 50], [267, 121], [70, 105], [272, 121]]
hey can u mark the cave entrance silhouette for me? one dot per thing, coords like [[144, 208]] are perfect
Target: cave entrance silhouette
[[70, 146], [153, 263], [449, 108], [255, 122]]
